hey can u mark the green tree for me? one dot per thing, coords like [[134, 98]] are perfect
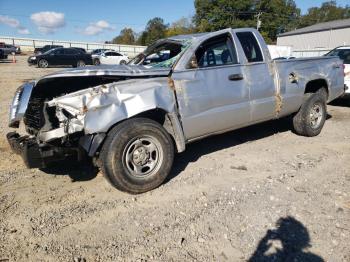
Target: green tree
[[277, 16], [181, 27], [212, 15], [126, 37], [155, 30], [328, 11]]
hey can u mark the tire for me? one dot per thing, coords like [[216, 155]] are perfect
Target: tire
[[97, 62], [311, 117], [123, 62], [43, 63], [137, 155], [81, 63]]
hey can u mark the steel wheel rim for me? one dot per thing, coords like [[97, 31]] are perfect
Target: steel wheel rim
[[143, 156], [316, 115], [43, 63]]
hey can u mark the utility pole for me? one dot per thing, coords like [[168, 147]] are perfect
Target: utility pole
[[258, 20]]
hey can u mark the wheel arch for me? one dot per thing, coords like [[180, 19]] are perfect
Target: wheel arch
[[315, 85], [169, 121]]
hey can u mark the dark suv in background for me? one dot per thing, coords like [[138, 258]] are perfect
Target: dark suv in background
[[45, 48], [61, 56], [2, 54]]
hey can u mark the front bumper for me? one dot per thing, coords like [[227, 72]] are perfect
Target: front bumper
[[31, 61], [41, 156]]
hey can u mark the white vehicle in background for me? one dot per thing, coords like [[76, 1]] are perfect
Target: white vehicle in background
[[110, 58], [344, 54]]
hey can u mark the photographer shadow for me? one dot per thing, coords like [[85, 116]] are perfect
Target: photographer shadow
[[286, 243]]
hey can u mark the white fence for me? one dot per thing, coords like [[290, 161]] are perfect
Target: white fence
[[28, 44]]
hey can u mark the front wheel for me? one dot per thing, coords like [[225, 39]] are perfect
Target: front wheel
[[123, 62], [137, 155], [311, 117], [43, 63]]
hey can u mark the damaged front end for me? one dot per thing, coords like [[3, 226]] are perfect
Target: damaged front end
[[72, 122]]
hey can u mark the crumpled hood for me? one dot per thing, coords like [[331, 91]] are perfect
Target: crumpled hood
[[111, 70], [98, 108]]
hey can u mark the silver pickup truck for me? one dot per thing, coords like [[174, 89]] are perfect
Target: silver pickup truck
[[131, 119]]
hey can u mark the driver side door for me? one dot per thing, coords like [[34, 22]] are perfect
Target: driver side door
[[213, 97]]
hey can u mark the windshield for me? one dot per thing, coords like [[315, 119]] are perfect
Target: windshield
[[163, 54]]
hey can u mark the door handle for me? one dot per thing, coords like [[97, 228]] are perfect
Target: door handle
[[235, 77]]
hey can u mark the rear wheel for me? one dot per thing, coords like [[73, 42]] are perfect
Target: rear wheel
[[311, 117], [81, 63], [137, 155], [123, 62], [97, 62], [43, 63]]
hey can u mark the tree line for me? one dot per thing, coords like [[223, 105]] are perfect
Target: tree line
[[275, 16]]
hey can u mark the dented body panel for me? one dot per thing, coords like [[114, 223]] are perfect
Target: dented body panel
[[114, 102], [82, 105]]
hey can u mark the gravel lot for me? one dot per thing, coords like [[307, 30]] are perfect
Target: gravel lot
[[261, 194]]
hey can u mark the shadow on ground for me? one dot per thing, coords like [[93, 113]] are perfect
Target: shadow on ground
[[84, 171], [342, 102], [288, 242], [219, 142]]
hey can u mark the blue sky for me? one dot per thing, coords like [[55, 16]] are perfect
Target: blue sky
[[93, 20]]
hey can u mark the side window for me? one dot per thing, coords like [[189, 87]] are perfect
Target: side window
[[216, 52], [345, 56], [59, 52], [109, 54], [250, 46], [70, 51], [117, 54]]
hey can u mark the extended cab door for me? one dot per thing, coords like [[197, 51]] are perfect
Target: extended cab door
[[212, 94], [260, 78]]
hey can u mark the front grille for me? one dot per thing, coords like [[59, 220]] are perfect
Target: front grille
[[34, 117]]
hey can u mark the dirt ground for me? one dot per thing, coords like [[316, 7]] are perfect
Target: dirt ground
[[261, 193]]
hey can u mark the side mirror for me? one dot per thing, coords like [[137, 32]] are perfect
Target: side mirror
[[193, 63]]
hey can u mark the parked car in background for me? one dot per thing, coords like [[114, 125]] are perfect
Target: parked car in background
[[2, 54], [110, 58], [8, 49], [100, 50], [61, 56], [343, 53], [133, 119], [18, 50], [45, 48]]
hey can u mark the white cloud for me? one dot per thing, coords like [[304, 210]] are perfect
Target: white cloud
[[97, 28], [23, 31], [12, 22], [48, 22]]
